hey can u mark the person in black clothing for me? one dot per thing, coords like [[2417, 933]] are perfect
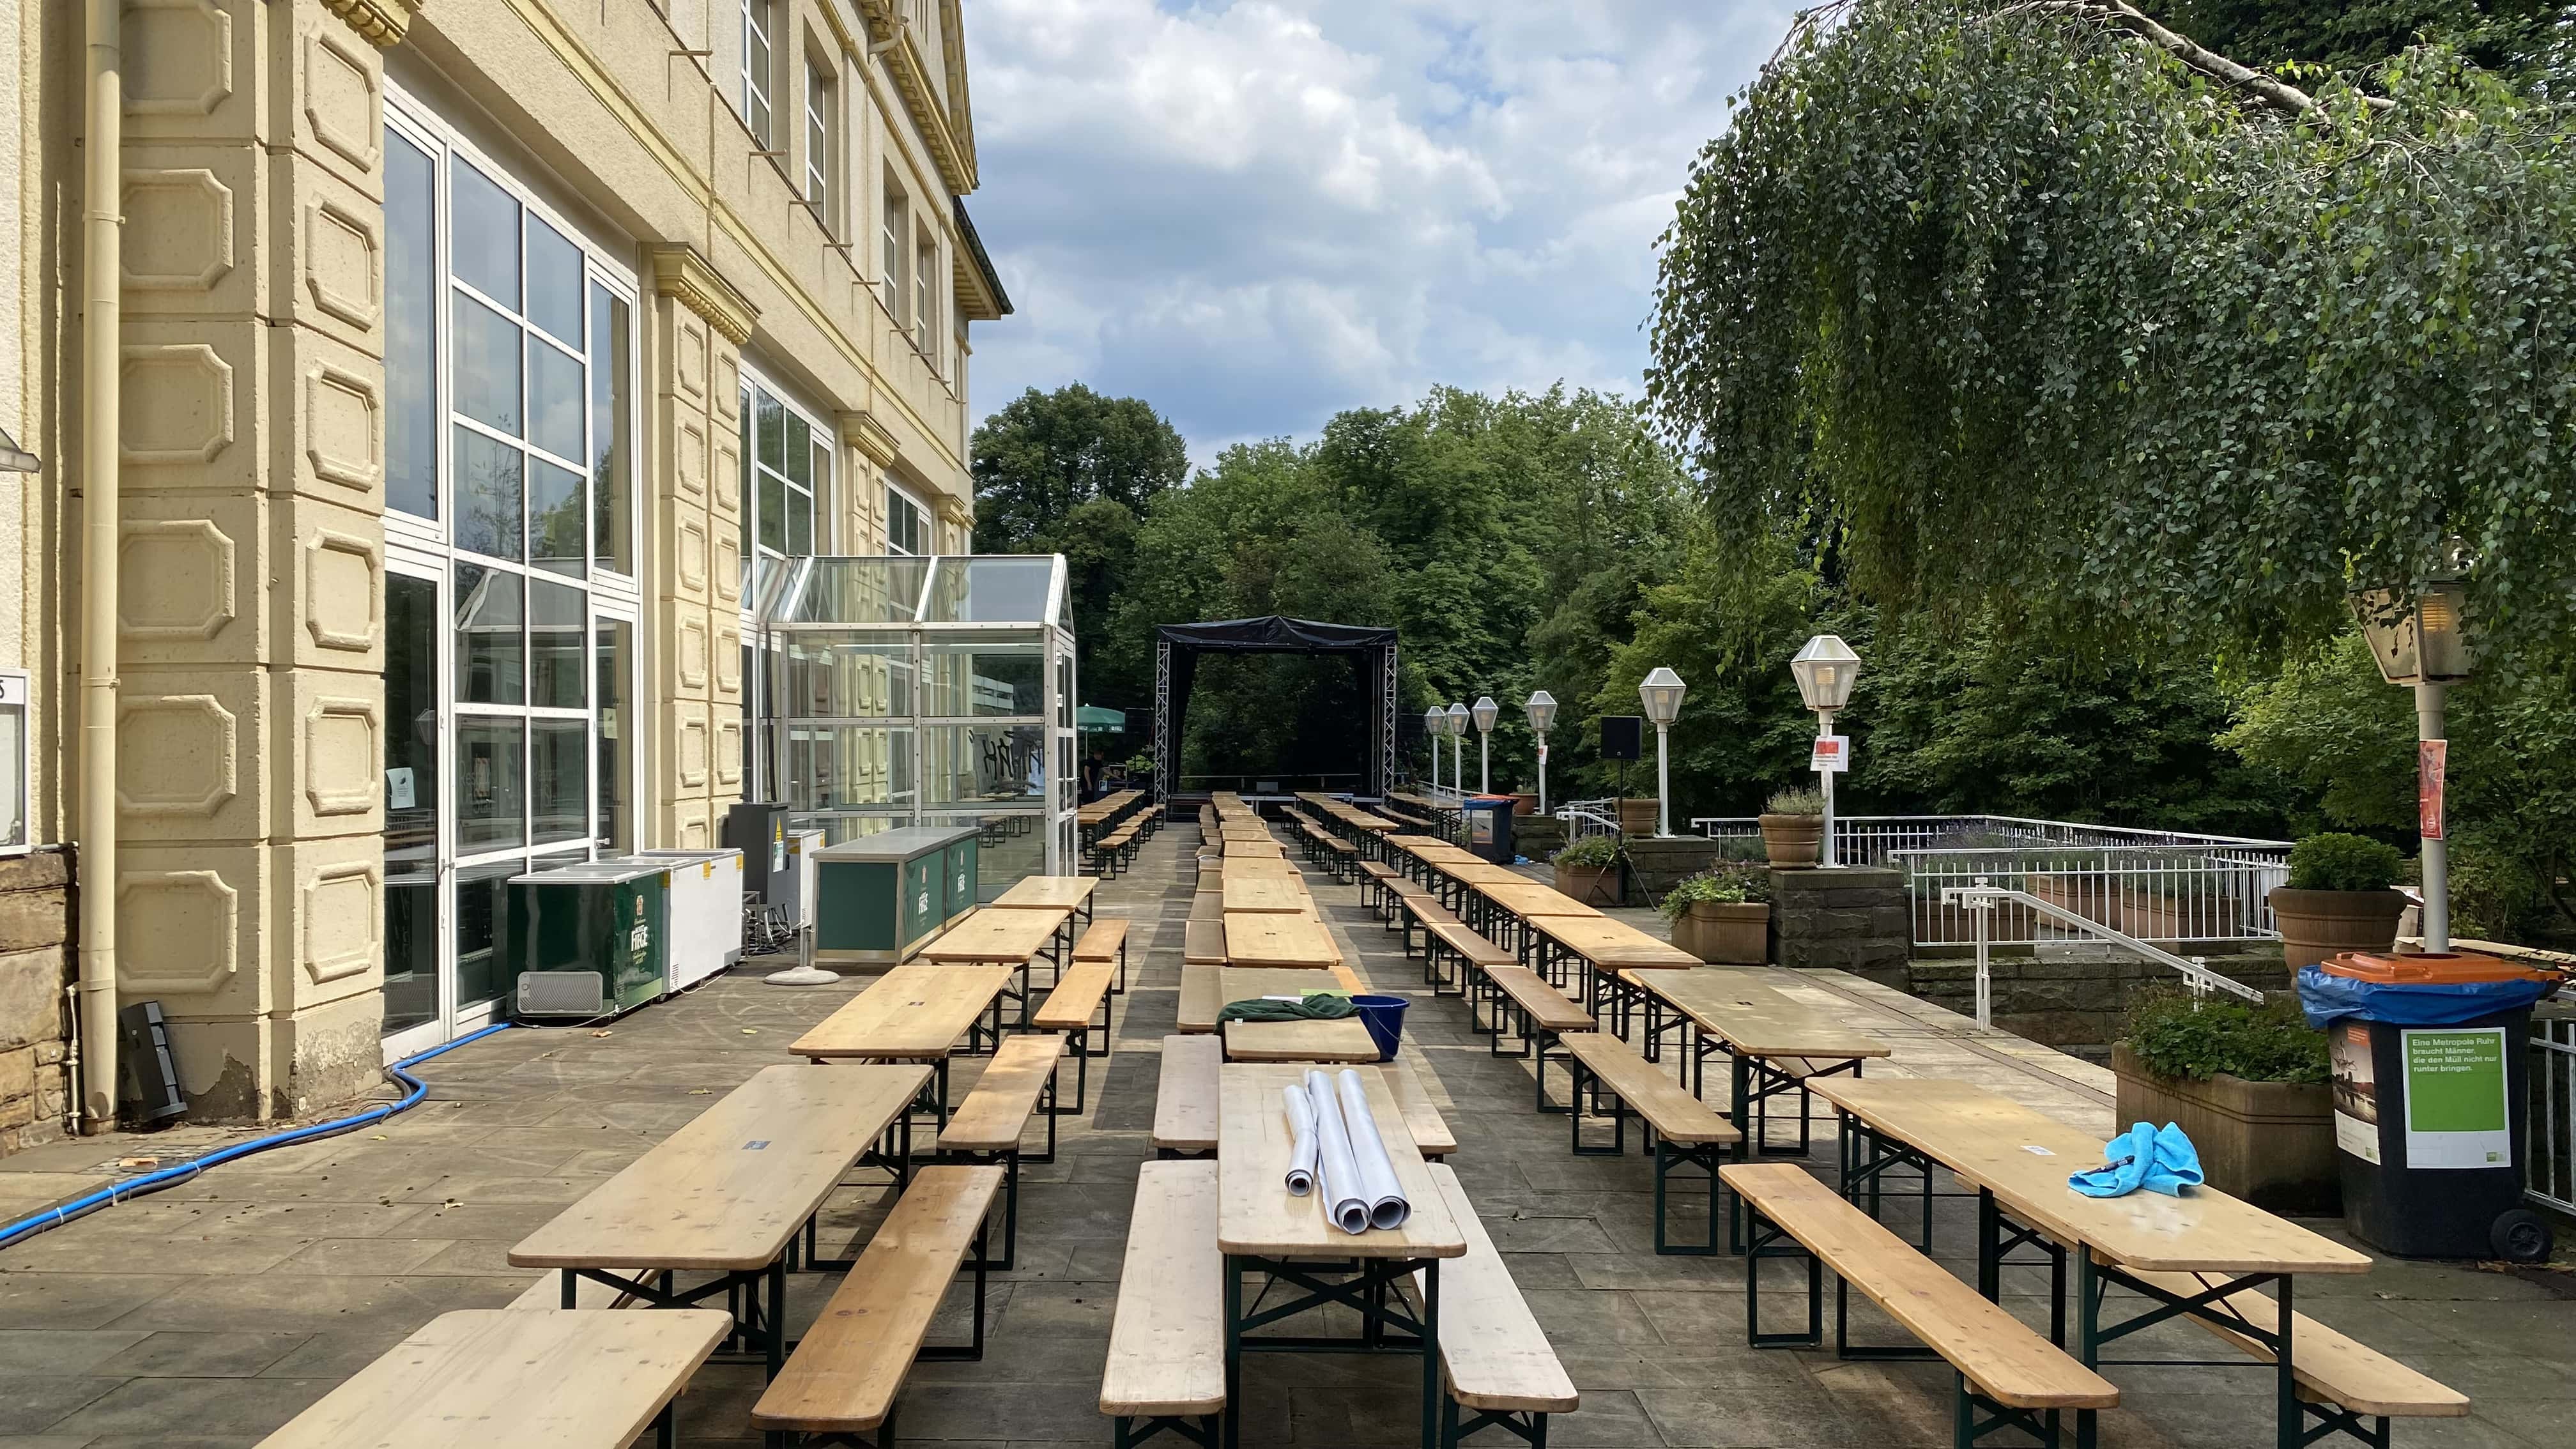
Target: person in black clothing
[[1091, 776]]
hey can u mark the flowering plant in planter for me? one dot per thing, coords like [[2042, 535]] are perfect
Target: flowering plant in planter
[[1723, 914], [1793, 825], [2247, 1082], [1594, 852], [1732, 885]]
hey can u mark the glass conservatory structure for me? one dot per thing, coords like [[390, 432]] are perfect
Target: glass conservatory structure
[[939, 690]]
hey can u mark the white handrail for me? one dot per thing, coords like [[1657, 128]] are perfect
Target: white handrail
[[1981, 899]]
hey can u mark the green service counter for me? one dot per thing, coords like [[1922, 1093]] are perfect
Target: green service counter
[[881, 897]]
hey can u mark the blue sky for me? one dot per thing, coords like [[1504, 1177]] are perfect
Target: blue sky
[[1253, 214]]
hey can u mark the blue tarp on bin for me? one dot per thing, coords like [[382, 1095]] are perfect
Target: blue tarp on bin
[[2327, 998]]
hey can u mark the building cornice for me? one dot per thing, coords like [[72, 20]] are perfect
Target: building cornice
[[680, 274], [382, 21], [957, 510], [948, 150], [863, 432]]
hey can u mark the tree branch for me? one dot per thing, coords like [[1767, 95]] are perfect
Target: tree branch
[[2270, 90]]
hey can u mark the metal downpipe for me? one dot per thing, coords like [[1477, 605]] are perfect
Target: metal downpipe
[[102, 265]]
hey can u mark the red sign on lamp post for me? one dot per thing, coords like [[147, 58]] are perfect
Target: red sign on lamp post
[[2432, 760]]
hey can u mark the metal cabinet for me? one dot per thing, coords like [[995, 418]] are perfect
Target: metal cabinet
[[587, 939], [881, 897]]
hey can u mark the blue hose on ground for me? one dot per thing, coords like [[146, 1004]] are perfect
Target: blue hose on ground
[[18, 1232]]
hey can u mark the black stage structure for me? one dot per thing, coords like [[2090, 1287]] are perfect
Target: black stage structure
[[1177, 649]]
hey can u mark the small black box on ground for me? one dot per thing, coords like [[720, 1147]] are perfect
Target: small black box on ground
[[149, 1089]]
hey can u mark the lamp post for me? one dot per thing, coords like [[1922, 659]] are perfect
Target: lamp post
[[1662, 696], [1541, 708], [2424, 645], [1826, 669], [1485, 712], [1458, 748], [1435, 723]]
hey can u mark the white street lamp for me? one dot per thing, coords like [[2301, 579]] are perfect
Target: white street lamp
[[1458, 748], [1662, 696], [1485, 712], [1435, 723], [1826, 669], [2425, 645], [1541, 708]]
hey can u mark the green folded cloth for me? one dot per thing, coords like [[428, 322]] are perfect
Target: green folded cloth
[[1317, 1006]]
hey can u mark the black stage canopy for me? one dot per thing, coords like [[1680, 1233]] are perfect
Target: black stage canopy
[[1176, 651]]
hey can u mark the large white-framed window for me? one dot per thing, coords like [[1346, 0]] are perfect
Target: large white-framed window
[[907, 522], [786, 476], [894, 228], [511, 438], [759, 67], [925, 296]]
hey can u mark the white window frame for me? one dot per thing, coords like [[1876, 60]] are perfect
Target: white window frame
[[894, 249], [425, 548], [823, 447], [925, 295], [822, 141], [759, 82], [926, 543]]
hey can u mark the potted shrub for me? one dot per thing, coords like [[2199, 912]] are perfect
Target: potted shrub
[[2247, 1082], [1723, 914], [2339, 898], [1793, 825], [1588, 870]]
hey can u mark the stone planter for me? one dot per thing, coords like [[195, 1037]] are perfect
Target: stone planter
[[2271, 1143], [1725, 933], [1636, 818], [1593, 885], [2318, 924], [1793, 839]]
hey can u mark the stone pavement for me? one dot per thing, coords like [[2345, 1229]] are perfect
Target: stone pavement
[[210, 1314]]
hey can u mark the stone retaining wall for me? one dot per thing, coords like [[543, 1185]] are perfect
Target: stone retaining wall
[[35, 922], [2076, 1004], [1853, 919]]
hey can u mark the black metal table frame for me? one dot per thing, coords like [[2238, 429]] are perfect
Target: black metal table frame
[[1706, 1156], [1371, 1289]]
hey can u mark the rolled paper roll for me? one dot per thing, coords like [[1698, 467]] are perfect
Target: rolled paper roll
[[1301, 1140], [1387, 1204], [1336, 1173]]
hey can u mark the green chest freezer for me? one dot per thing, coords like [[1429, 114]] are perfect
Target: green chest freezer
[[587, 939], [880, 897]]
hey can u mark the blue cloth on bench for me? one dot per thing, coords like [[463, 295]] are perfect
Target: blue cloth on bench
[[2158, 1160]]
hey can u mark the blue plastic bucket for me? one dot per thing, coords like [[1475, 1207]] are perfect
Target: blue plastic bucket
[[1384, 1018]]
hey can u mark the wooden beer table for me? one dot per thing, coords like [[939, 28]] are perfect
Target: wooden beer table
[[1259, 894], [732, 1193], [1516, 900], [2018, 1161], [1341, 1040], [1205, 990], [916, 1012], [1288, 1245], [1775, 1045], [1270, 938], [1598, 948], [1015, 938]]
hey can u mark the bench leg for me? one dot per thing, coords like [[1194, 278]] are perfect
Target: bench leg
[[1765, 1241], [1541, 1044], [1574, 1114], [1669, 1155], [1199, 1429], [972, 1351], [1530, 1429]]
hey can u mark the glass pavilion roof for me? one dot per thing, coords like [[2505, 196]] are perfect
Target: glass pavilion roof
[[1027, 590]]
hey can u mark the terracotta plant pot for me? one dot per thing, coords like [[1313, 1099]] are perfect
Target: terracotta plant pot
[[1525, 804], [2318, 924], [2271, 1143], [1793, 839], [1593, 885], [1636, 818], [1725, 933]]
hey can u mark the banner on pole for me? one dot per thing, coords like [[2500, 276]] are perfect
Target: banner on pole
[[1832, 755], [2432, 763]]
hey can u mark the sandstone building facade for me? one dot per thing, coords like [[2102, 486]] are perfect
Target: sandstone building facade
[[473, 361]]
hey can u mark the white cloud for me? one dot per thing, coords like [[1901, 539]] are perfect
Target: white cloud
[[1253, 213]]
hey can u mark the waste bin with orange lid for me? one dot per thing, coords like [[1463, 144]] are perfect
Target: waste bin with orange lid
[[2429, 1057]]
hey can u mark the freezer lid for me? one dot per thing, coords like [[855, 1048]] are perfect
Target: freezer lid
[[898, 845], [614, 871]]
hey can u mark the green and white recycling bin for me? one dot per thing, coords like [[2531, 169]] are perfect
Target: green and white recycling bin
[[881, 897], [587, 939]]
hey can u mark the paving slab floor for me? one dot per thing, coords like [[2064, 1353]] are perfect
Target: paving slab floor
[[210, 1314]]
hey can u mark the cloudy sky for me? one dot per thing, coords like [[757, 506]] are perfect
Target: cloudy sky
[[1253, 213]]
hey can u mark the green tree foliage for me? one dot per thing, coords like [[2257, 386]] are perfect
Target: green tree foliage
[[1069, 472], [2033, 323], [2329, 720], [2514, 37]]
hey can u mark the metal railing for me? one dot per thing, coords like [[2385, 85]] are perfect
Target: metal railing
[[1869, 839], [1586, 818], [2155, 893], [2549, 1147], [1981, 901]]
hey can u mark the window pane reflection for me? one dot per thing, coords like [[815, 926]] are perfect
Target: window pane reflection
[[411, 801], [490, 659], [612, 465], [555, 395], [557, 672], [487, 366], [491, 783], [557, 537], [554, 282], [488, 495], [411, 329], [560, 771], [485, 238], [482, 907]]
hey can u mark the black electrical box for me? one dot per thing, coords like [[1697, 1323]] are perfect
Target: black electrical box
[[758, 828], [149, 1092]]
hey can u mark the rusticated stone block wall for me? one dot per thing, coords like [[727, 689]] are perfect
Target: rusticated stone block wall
[[35, 921], [1853, 919]]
